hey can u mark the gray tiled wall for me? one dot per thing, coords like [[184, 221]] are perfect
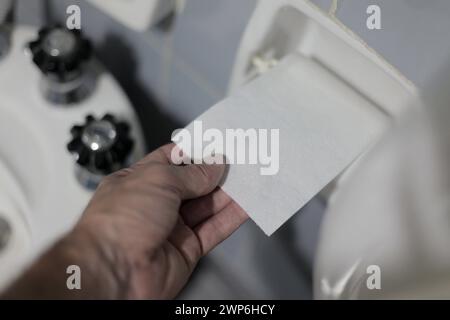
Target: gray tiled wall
[[413, 35], [187, 67]]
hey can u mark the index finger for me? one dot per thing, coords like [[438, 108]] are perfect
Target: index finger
[[220, 226]]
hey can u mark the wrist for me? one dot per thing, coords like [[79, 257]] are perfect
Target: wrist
[[104, 271], [47, 278]]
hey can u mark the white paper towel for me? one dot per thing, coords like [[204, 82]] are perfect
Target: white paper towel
[[323, 125]]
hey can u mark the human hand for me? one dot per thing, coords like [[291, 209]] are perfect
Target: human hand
[[146, 228]]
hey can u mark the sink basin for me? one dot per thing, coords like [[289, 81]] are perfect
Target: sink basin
[[15, 232], [40, 196]]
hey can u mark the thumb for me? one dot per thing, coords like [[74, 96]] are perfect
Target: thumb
[[197, 180]]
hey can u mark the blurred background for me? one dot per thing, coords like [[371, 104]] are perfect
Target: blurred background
[[182, 66]]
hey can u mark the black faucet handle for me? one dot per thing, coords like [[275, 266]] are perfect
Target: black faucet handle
[[101, 146], [60, 52]]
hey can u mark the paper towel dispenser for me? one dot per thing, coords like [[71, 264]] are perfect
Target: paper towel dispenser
[[334, 71], [328, 96], [279, 28]]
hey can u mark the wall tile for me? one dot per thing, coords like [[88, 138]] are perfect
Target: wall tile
[[323, 4], [29, 12], [186, 99], [207, 35], [412, 35]]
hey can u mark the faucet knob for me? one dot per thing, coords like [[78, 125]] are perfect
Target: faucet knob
[[60, 52], [101, 146]]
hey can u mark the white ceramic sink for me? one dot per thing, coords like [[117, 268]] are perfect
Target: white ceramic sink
[[40, 196]]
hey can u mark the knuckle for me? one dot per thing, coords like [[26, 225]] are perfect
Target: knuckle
[[117, 175]]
